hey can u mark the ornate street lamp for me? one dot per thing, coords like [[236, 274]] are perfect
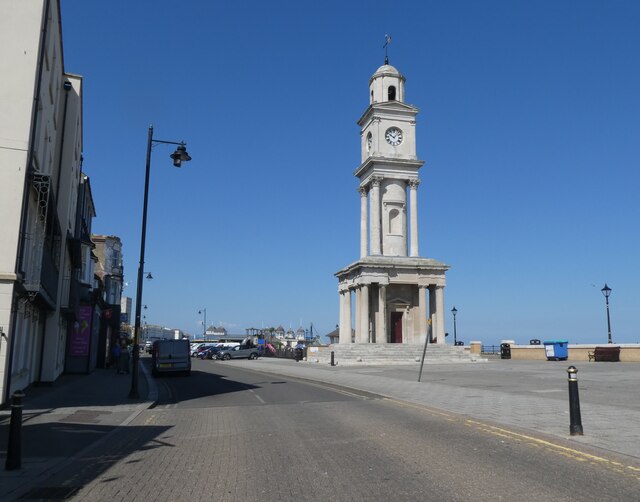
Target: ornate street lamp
[[454, 311], [606, 291], [178, 157]]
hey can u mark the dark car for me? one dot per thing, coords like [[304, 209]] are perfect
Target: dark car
[[209, 352]]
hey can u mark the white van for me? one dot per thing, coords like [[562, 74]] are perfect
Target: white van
[[170, 356]]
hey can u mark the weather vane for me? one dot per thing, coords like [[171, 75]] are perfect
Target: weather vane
[[387, 41]]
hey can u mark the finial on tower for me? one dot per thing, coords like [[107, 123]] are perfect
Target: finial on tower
[[387, 41]]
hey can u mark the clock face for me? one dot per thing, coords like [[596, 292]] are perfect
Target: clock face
[[393, 136]]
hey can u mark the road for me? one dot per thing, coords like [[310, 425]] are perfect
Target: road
[[232, 434]]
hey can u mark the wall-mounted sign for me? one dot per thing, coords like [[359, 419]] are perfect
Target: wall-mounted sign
[[81, 332]]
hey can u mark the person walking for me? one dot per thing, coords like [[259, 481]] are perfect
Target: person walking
[[116, 352], [124, 357]]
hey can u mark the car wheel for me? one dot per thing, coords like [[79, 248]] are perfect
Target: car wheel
[[253, 356], [226, 357]]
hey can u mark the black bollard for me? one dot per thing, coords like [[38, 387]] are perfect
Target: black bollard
[[333, 361], [14, 450], [574, 403]]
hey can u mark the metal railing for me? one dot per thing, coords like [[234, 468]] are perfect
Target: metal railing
[[490, 349]]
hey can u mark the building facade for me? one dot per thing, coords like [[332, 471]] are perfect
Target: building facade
[[40, 176], [109, 272], [390, 294]]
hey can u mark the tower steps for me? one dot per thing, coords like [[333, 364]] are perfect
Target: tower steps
[[391, 353]]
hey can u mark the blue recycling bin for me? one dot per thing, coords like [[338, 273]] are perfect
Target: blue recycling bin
[[556, 350]]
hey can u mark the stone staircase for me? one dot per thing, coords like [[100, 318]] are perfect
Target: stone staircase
[[391, 353]]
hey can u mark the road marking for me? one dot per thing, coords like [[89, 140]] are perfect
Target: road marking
[[570, 453], [581, 456], [262, 401]]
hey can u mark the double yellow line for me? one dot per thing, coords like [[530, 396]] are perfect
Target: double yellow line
[[580, 456]]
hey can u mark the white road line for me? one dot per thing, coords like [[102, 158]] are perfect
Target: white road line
[[262, 401]]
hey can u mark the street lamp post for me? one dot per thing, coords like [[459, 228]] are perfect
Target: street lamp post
[[204, 323], [606, 291], [454, 311], [179, 156]]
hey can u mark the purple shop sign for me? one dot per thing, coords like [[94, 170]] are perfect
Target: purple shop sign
[[81, 333]]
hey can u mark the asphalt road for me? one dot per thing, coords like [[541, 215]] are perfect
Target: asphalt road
[[235, 435]]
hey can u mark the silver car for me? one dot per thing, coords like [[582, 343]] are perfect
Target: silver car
[[239, 352]]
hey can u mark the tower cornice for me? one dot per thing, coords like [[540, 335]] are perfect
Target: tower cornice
[[396, 107]]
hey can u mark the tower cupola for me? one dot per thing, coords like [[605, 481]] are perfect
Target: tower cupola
[[386, 84]]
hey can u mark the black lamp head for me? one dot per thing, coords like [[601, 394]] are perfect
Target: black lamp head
[[180, 155]]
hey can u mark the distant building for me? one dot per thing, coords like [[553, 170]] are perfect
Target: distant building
[[126, 314], [109, 272], [152, 332]]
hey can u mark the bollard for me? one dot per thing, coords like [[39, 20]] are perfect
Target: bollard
[[333, 361], [14, 451], [574, 403]]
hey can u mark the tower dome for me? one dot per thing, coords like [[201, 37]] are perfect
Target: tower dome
[[386, 84]]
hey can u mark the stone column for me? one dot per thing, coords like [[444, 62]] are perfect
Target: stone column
[[358, 313], [363, 222], [440, 314], [423, 312], [432, 311], [413, 207], [381, 325], [345, 303], [375, 227], [364, 314]]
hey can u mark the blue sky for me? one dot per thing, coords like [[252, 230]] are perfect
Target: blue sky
[[529, 128]]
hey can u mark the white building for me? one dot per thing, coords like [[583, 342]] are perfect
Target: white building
[[40, 176], [397, 293], [126, 315]]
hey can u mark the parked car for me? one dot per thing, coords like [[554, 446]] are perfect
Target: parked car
[[170, 356], [148, 346], [210, 352], [239, 352], [195, 348]]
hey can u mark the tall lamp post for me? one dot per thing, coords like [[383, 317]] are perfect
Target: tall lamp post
[[454, 311], [179, 156], [204, 323], [606, 291]]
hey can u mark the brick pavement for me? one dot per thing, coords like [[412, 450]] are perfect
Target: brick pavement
[[83, 412], [63, 420]]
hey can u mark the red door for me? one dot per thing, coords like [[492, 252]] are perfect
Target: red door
[[396, 327]]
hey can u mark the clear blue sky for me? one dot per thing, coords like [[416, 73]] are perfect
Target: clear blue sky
[[529, 127]]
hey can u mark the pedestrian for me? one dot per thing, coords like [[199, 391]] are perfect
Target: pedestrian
[[116, 356], [124, 357]]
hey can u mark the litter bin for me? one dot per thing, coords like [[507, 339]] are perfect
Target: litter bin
[[505, 351], [556, 350]]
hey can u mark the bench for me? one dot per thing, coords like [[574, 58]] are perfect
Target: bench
[[610, 354]]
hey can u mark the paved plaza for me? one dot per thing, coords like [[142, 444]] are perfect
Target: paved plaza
[[80, 412]]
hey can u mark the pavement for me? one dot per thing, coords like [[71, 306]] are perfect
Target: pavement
[[80, 412], [63, 420]]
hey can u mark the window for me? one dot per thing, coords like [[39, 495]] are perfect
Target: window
[[391, 93]]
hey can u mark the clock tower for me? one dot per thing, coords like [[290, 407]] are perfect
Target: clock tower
[[390, 281]]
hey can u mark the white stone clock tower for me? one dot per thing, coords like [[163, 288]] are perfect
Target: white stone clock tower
[[390, 281]]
